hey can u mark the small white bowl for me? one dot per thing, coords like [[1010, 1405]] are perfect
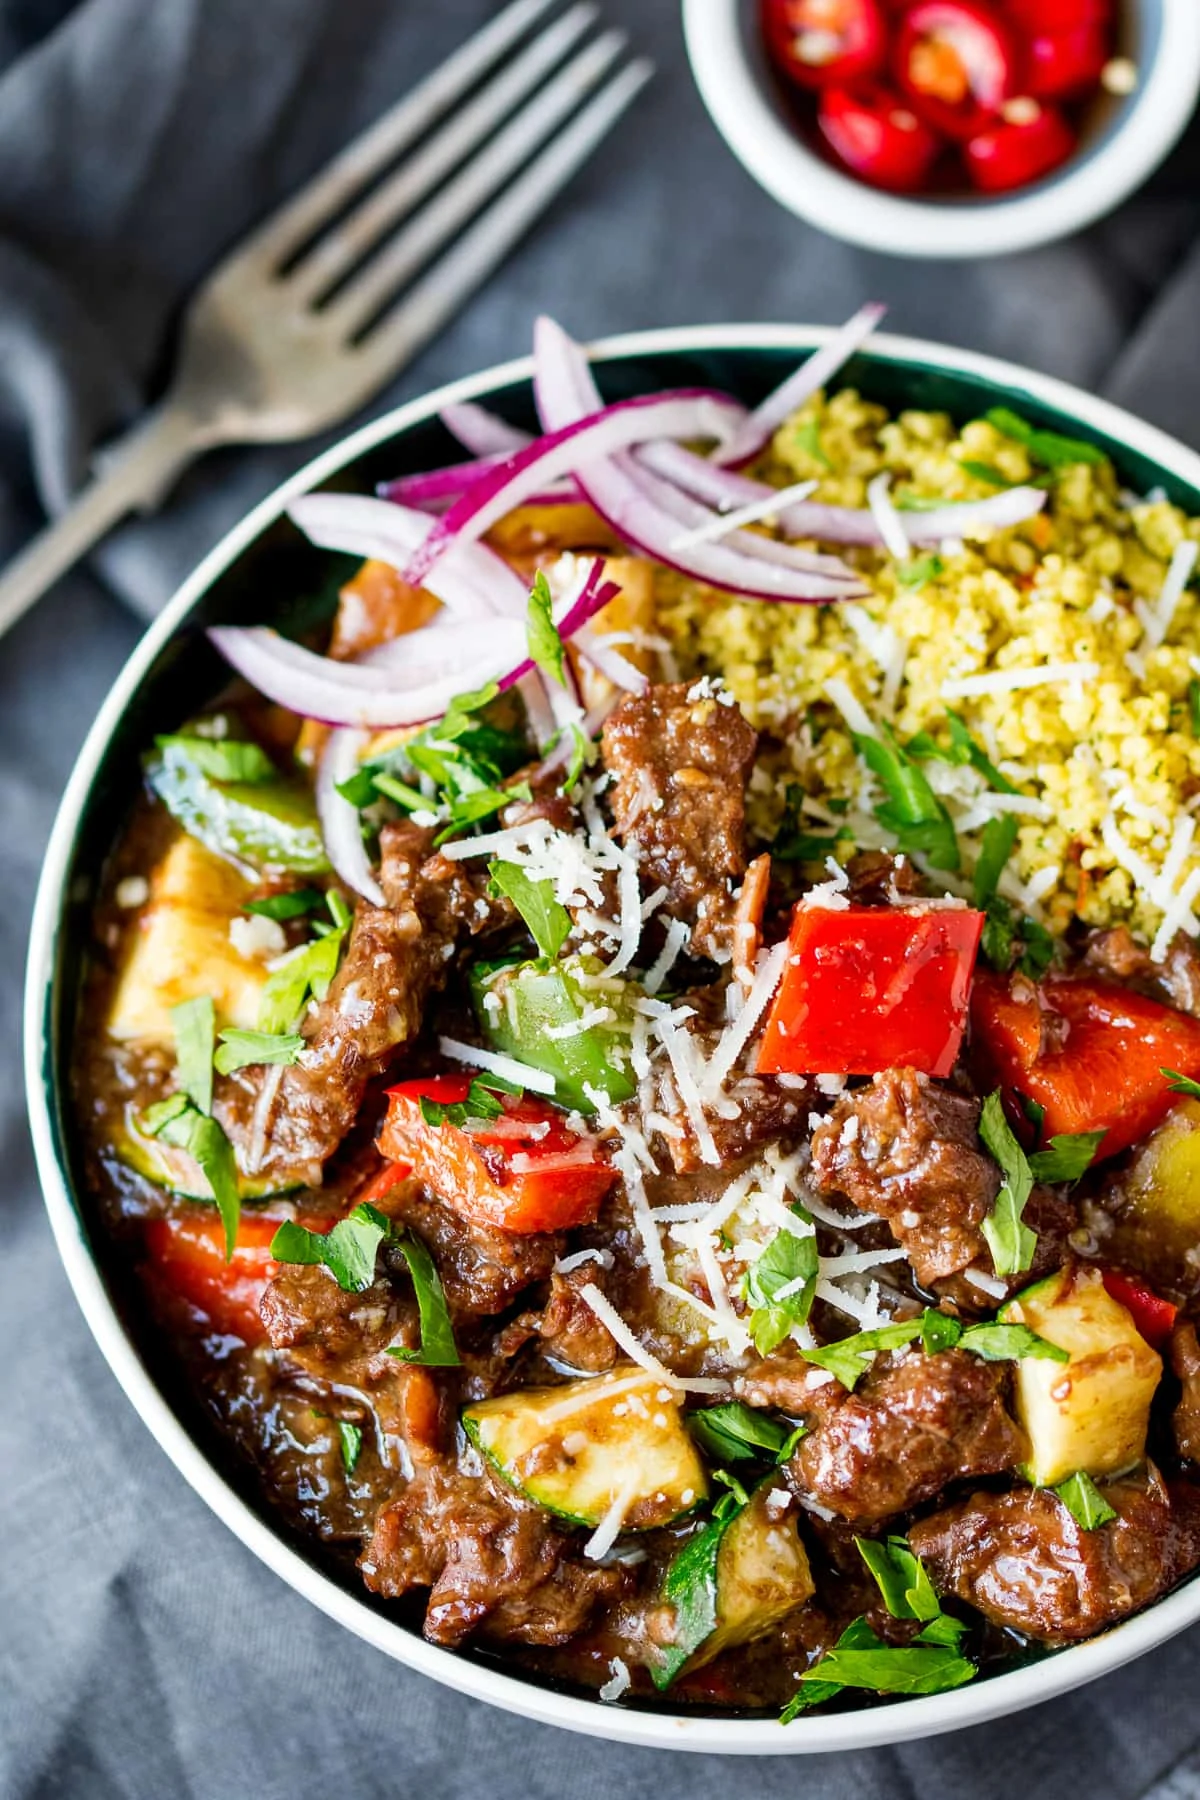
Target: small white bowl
[[1128, 141]]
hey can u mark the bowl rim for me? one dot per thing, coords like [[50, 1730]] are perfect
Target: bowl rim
[[1084, 190], [901, 1721]]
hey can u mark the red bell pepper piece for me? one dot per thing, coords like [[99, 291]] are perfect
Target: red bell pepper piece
[[871, 988], [1015, 151], [1153, 1316], [958, 62], [878, 136], [524, 1171], [1089, 1052], [186, 1255], [823, 43]]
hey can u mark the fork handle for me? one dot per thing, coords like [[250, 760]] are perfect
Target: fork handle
[[132, 474]]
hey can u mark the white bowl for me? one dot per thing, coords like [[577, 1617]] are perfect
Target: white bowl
[[735, 83], [64, 898]]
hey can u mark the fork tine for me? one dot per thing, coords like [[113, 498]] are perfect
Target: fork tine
[[301, 217], [403, 256], [451, 281], [350, 240]]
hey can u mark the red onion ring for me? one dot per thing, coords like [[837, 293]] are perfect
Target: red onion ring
[[813, 374]]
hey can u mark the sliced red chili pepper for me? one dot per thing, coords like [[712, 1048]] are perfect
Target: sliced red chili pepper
[[1062, 63], [1056, 15], [1089, 1052], [878, 136], [186, 1255], [819, 43], [1019, 149], [524, 1171], [871, 988], [1153, 1316], [957, 62]]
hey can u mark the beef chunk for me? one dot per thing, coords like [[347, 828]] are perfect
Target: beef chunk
[[288, 1121], [1116, 954], [1185, 1363], [1023, 1561], [567, 1327], [908, 1149], [492, 1563], [341, 1340], [876, 877], [482, 1270], [681, 764], [914, 1424]]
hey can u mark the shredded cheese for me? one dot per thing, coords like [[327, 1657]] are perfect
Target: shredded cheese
[[883, 511], [629, 1341], [1006, 681], [507, 1067]]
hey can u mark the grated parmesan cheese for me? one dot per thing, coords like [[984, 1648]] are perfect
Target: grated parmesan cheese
[[507, 1067], [1006, 681]]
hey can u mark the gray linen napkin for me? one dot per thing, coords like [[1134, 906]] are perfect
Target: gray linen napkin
[[143, 1652]]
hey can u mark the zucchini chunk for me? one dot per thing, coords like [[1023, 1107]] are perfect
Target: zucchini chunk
[[169, 1166], [731, 1582], [580, 1449], [258, 825], [1156, 1200], [181, 948], [1092, 1413]]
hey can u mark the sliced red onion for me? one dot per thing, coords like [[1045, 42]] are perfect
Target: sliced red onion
[[440, 488], [647, 512], [609, 661], [481, 432], [409, 680], [341, 827], [725, 490], [579, 441], [820, 367], [473, 580]]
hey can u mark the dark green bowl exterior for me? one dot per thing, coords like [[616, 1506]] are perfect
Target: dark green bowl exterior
[[281, 580]]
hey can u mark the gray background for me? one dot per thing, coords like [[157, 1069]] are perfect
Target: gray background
[[143, 1652]]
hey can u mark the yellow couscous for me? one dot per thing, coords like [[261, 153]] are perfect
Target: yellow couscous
[[1102, 743]]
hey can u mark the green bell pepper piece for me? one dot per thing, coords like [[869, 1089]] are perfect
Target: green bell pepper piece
[[517, 1003], [269, 822]]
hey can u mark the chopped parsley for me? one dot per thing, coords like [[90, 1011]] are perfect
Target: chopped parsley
[[690, 1588], [1004, 931], [851, 1357], [984, 471], [900, 1577], [912, 812], [1009, 1239], [739, 1433], [995, 848], [1182, 1084], [541, 633], [305, 972], [351, 1438], [1084, 1501], [860, 1659], [292, 905], [181, 1124], [1048, 448], [482, 1103], [549, 922], [807, 437], [248, 1049], [194, 1023], [438, 1349], [1067, 1156], [921, 570], [780, 1285], [793, 842]]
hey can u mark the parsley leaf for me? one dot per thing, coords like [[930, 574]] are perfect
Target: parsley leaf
[[807, 437], [1010, 1241], [549, 922], [1046, 447], [738, 1433], [222, 759], [1084, 1501], [438, 1349], [961, 750], [851, 1357], [690, 1587], [248, 1049], [203, 1139], [860, 1659], [921, 571], [307, 970], [793, 842], [770, 1287], [995, 848], [938, 1331], [292, 905], [541, 633], [480, 1104], [900, 1576], [1067, 1156], [351, 1440], [912, 811], [406, 797], [984, 471], [581, 751], [194, 1023], [1182, 1084], [1010, 1343], [348, 1250]]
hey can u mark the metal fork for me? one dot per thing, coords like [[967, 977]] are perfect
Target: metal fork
[[327, 300]]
